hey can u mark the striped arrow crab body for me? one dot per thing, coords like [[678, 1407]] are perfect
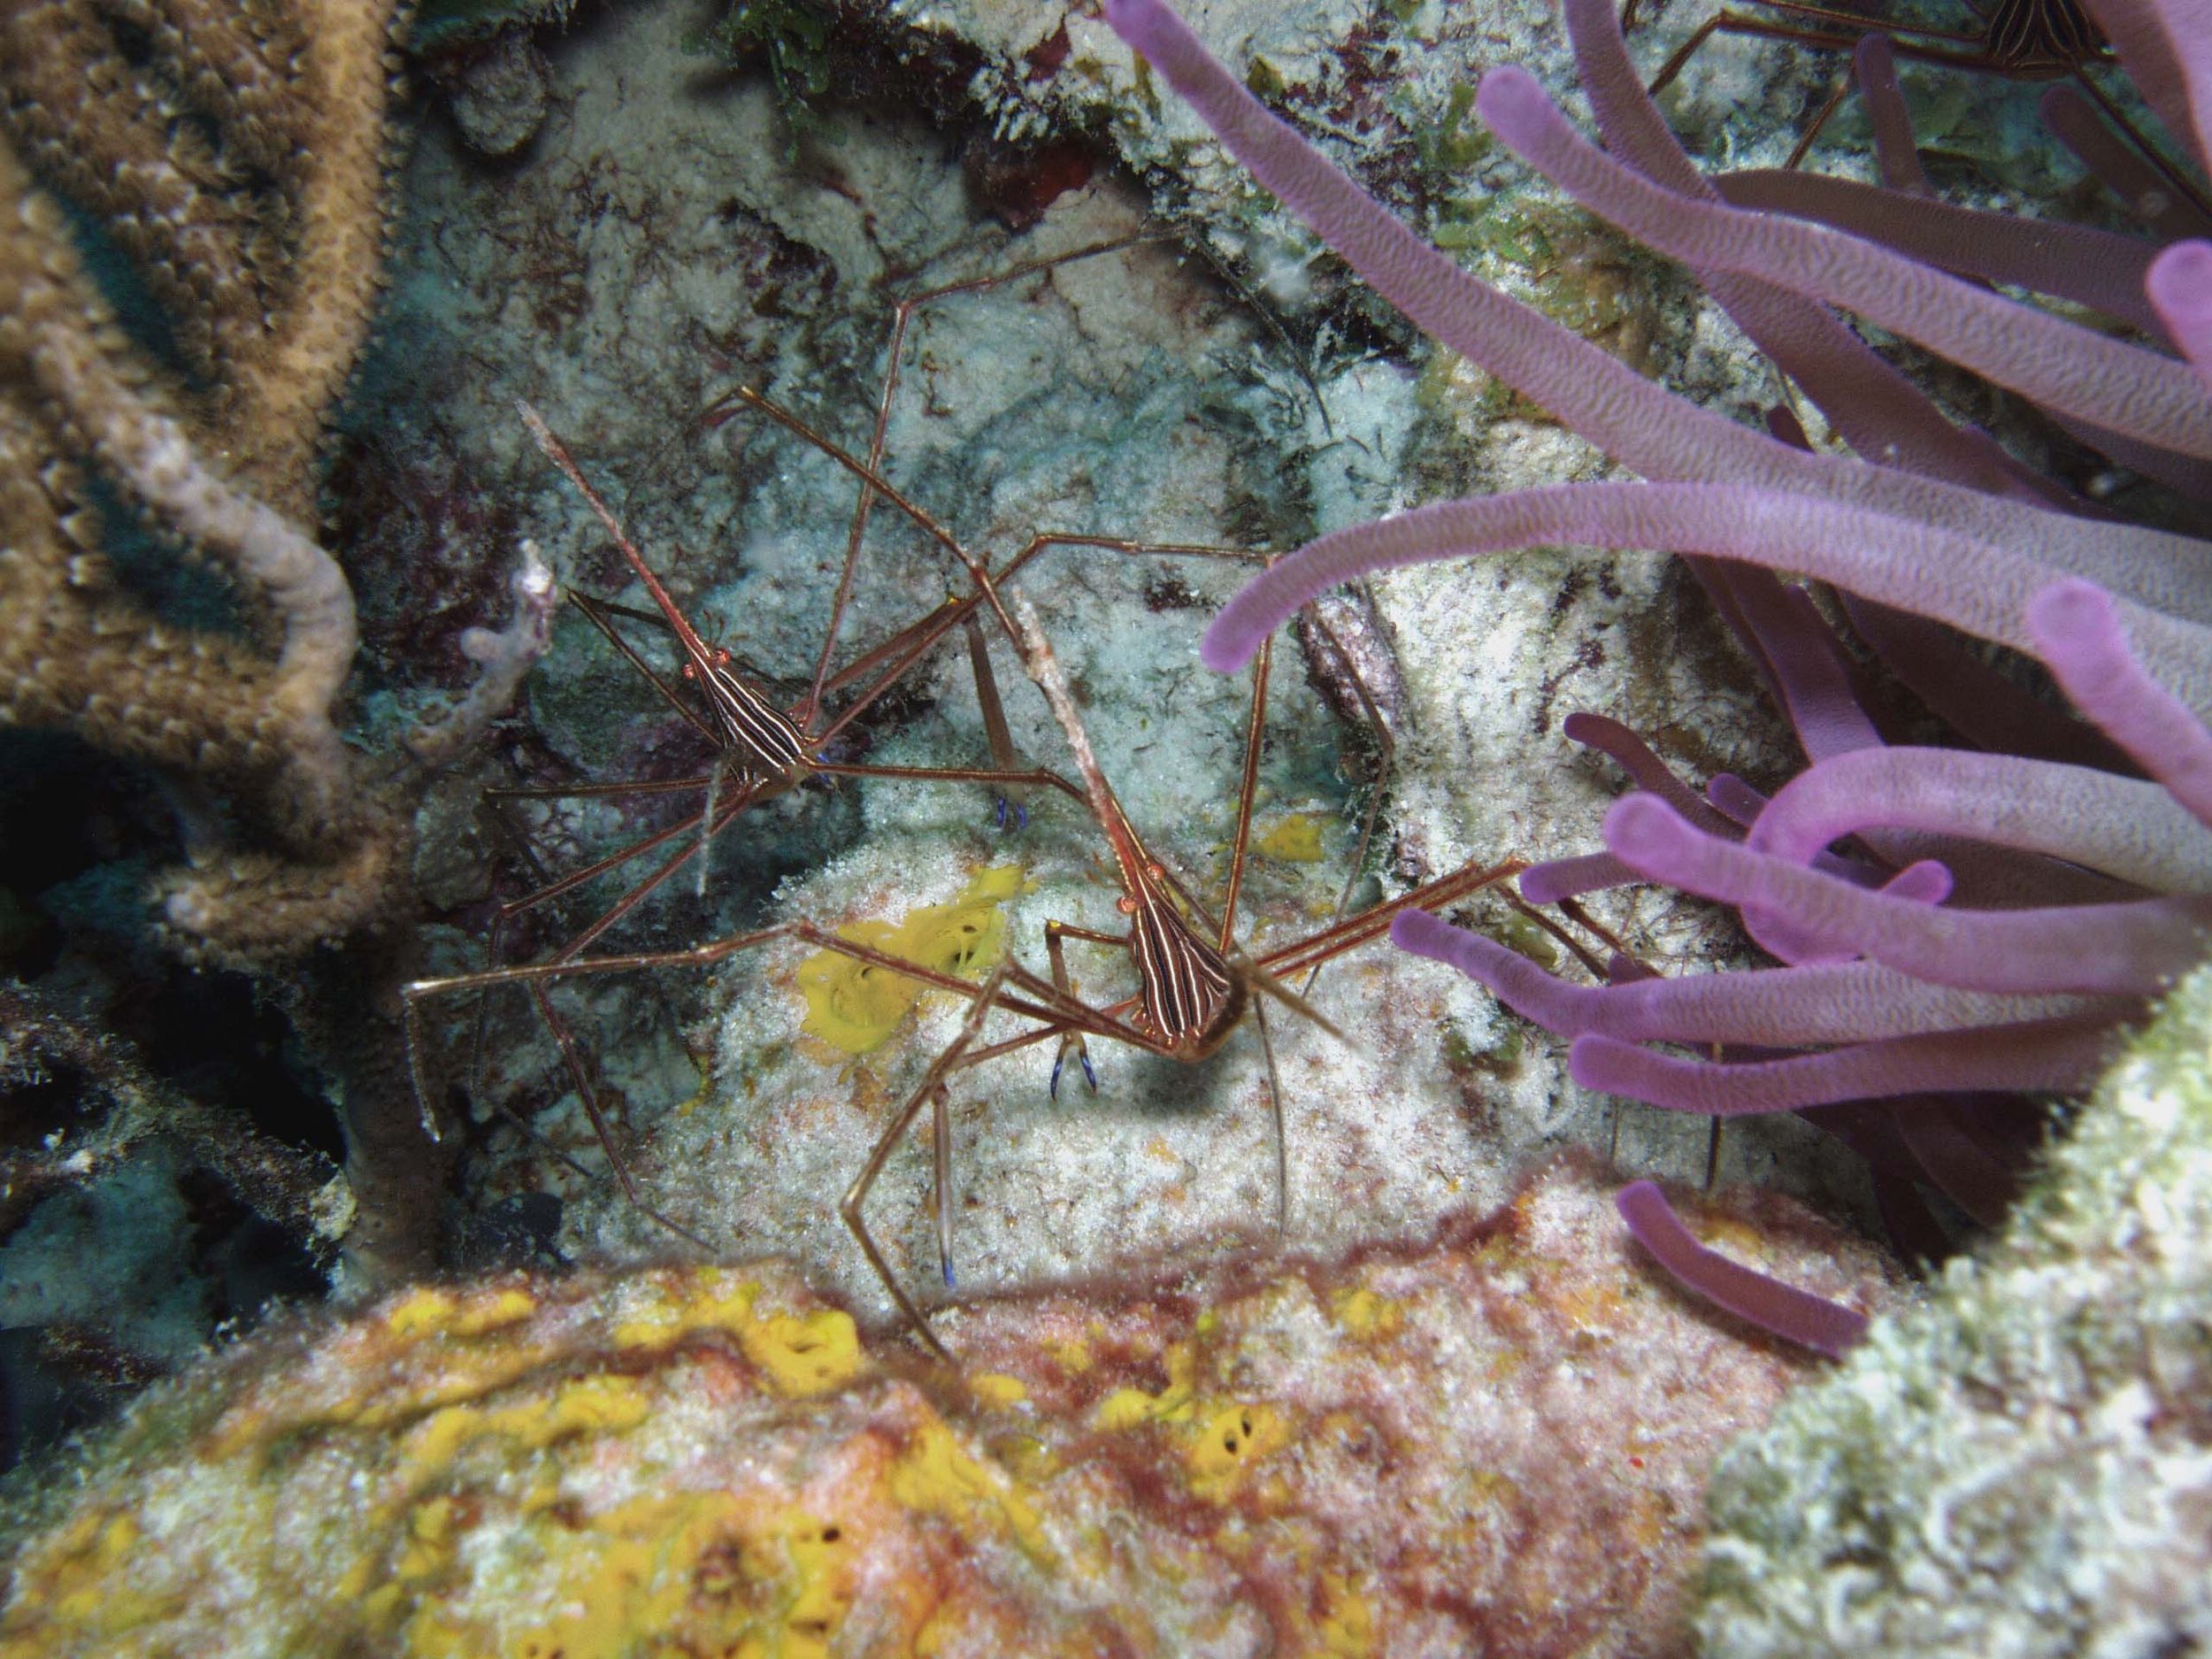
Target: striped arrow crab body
[[756, 737], [765, 750], [762, 747], [1195, 985]]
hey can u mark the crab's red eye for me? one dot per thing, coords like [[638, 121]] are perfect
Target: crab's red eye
[[689, 673], [1127, 905], [721, 658]]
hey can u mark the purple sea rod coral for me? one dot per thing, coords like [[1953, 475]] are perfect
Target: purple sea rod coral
[[1957, 926]]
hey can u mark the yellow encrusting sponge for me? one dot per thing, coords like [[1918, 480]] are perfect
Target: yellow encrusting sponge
[[855, 1006]]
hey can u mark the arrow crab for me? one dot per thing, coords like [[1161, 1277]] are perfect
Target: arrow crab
[[1238, 822]]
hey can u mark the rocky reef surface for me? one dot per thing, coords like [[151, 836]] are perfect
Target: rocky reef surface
[[2023, 1466], [1494, 1439]]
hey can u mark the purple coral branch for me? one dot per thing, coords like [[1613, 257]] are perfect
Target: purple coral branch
[[1798, 1315], [1976, 702], [1634, 757], [1735, 800], [1896, 149], [2153, 39], [1968, 1173], [2178, 284], [1775, 1008], [2125, 828], [2119, 167], [1557, 878], [1805, 670], [2089, 267], [1869, 404], [1925, 881]]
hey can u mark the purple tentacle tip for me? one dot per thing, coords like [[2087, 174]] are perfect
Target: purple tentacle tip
[[1508, 96], [2180, 286], [1229, 643], [1418, 930], [2078, 633], [1795, 1314], [2071, 611]]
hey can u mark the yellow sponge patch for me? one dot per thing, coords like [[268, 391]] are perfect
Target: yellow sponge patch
[[1293, 840], [1230, 1441], [85, 1583], [584, 1405], [855, 1006], [1177, 1403], [1348, 1630], [936, 1477], [1222, 1439], [1364, 1313], [431, 1312], [801, 1354], [804, 1354], [694, 1572], [995, 1389]]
